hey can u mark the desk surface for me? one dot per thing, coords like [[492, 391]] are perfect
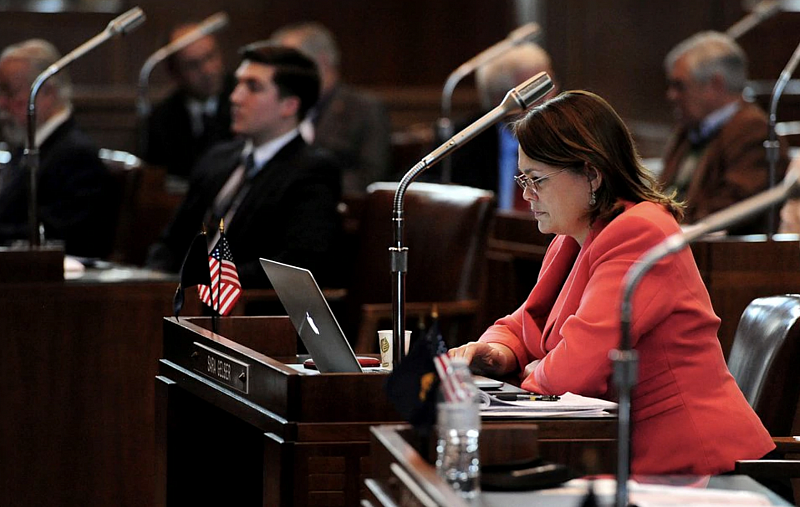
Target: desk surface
[[574, 496], [107, 272], [403, 472]]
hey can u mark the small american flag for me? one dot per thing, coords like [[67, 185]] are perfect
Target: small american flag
[[225, 288]]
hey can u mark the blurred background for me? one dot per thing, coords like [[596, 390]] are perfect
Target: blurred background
[[404, 51]]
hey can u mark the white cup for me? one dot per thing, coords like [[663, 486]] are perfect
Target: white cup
[[386, 346]]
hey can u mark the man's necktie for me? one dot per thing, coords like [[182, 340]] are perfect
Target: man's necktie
[[234, 190]]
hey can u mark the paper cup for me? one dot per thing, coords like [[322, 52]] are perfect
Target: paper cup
[[385, 345]]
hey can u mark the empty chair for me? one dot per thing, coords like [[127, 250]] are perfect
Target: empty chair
[[446, 228], [765, 360]]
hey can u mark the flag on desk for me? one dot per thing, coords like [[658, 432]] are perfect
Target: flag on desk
[[194, 270], [224, 288], [413, 384]]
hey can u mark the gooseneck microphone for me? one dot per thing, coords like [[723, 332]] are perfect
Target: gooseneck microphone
[[516, 100], [121, 25], [625, 358], [211, 24], [516, 37], [761, 12], [771, 144]]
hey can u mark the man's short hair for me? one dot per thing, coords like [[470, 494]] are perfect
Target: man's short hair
[[315, 41], [40, 54], [295, 74], [712, 53]]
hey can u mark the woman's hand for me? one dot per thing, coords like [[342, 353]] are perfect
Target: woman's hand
[[530, 368], [487, 358]]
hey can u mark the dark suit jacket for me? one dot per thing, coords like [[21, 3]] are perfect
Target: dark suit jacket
[[289, 214], [170, 142], [355, 127], [733, 167], [73, 195]]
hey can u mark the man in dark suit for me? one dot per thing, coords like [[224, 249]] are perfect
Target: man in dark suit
[[489, 160], [716, 156], [197, 114], [277, 195], [352, 124], [73, 197]]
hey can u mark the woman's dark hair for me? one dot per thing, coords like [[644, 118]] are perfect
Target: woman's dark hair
[[578, 128], [295, 74]]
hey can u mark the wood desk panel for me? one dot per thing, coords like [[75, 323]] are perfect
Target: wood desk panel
[[401, 476], [312, 432], [77, 412]]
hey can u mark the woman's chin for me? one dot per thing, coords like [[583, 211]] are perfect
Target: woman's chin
[[544, 227]]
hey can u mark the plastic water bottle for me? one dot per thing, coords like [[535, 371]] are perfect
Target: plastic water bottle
[[459, 425]]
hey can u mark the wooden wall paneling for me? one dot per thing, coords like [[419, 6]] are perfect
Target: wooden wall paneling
[[616, 49], [402, 50]]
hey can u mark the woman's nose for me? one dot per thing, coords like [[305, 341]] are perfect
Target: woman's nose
[[529, 194]]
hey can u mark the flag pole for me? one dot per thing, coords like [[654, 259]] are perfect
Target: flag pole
[[215, 301]]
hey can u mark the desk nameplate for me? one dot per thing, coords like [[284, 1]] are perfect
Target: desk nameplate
[[221, 367]]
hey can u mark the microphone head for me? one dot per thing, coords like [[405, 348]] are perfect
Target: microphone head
[[214, 23], [528, 93], [126, 22]]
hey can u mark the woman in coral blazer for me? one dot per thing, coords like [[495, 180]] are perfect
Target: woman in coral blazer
[[584, 182]]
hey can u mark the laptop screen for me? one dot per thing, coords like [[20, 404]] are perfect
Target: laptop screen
[[312, 317]]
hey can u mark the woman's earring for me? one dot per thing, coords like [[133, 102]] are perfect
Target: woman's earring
[[593, 199]]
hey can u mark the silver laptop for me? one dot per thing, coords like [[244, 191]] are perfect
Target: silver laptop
[[312, 317]]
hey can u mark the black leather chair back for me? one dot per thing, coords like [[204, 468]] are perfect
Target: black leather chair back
[[765, 359], [446, 231]]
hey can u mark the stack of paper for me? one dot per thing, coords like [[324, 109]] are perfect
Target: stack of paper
[[566, 404]]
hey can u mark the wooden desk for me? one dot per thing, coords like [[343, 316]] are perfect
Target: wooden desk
[[285, 438], [401, 477], [23, 265], [295, 439], [78, 358]]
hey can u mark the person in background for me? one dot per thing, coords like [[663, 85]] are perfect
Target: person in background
[[277, 195], [197, 114], [716, 156], [585, 183], [489, 161], [350, 123], [74, 204]]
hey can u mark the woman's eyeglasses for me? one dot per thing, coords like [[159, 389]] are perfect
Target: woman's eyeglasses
[[524, 181]]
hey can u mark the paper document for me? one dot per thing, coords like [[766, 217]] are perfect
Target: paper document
[[651, 495], [566, 404]]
